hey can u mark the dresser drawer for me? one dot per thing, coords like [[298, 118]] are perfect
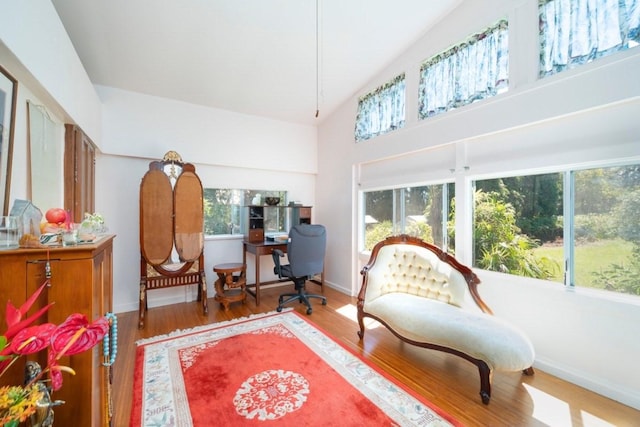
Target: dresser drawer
[[256, 235]]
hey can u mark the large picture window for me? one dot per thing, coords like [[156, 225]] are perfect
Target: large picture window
[[421, 211], [579, 228], [607, 229], [574, 32], [513, 218]]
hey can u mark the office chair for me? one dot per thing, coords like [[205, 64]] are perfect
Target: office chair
[[305, 250]]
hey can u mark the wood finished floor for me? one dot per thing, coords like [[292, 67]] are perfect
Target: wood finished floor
[[447, 381]]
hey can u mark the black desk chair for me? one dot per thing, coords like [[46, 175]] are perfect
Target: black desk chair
[[305, 250]]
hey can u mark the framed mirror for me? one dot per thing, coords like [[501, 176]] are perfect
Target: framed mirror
[[45, 187], [8, 95]]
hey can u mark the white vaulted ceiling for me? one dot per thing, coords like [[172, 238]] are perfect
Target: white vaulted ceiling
[[255, 57]]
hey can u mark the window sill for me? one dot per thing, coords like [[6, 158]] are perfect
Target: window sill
[[216, 237]]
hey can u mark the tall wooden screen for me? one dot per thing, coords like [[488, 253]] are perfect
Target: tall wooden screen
[[171, 229]]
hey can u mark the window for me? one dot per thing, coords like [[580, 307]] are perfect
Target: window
[[512, 218], [574, 32], [418, 211], [473, 70], [579, 228], [382, 110], [607, 229], [223, 208]]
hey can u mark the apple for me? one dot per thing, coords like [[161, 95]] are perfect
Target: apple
[[56, 215], [47, 227]]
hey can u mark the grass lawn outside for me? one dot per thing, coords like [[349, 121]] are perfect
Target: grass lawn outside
[[590, 257]]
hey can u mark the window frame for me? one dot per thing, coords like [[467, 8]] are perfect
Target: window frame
[[568, 200], [399, 203]]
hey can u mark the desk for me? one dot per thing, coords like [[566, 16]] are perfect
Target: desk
[[264, 248]]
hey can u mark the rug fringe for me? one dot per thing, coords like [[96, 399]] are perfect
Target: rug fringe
[[143, 341]]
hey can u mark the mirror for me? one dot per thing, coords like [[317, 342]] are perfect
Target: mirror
[[45, 187], [8, 95]]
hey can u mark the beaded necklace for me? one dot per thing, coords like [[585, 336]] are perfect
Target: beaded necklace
[[110, 352]]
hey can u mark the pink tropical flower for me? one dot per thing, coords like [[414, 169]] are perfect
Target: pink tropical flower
[[76, 335], [55, 374], [32, 339]]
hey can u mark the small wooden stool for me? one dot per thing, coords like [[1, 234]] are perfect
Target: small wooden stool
[[229, 287]]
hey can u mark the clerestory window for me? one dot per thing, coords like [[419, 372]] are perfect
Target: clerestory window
[[574, 32], [475, 69], [381, 110]]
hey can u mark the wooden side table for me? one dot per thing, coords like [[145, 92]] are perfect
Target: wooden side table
[[230, 287]]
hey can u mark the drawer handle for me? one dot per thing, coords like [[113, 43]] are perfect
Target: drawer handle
[[47, 272]]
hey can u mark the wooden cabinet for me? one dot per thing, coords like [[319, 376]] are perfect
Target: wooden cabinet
[[255, 229], [80, 282], [262, 221]]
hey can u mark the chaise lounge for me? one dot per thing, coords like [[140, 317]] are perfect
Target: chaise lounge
[[427, 298]]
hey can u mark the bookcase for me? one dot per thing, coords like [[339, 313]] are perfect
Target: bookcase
[[264, 221]]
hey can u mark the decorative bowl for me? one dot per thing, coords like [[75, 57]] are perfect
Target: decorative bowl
[[272, 201]]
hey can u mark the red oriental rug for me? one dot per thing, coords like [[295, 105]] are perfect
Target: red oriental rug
[[271, 369]]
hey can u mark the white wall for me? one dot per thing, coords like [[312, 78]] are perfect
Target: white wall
[[575, 118], [35, 45], [141, 126]]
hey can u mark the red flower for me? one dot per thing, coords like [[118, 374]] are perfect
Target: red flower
[[14, 315], [55, 374], [33, 339], [76, 335], [55, 371]]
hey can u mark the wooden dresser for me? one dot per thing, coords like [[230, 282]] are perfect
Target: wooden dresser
[[81, 282]]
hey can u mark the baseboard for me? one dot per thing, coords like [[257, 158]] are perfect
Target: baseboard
[[598, 385], [160, 300], [338, 288]]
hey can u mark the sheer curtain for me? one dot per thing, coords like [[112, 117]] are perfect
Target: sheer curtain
[[382, 110], [475, 69], [574, 32]]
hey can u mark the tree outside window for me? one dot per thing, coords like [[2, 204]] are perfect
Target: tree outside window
[[421, 211], [519, 227]]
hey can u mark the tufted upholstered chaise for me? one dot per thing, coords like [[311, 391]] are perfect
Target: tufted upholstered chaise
[[427, 298]]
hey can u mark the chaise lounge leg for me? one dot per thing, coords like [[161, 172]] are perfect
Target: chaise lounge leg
[[485, 382], [529, 371], [361, 331]]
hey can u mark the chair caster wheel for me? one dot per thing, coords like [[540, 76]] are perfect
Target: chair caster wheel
[[279, 309], [309, 311], [324, 302]]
